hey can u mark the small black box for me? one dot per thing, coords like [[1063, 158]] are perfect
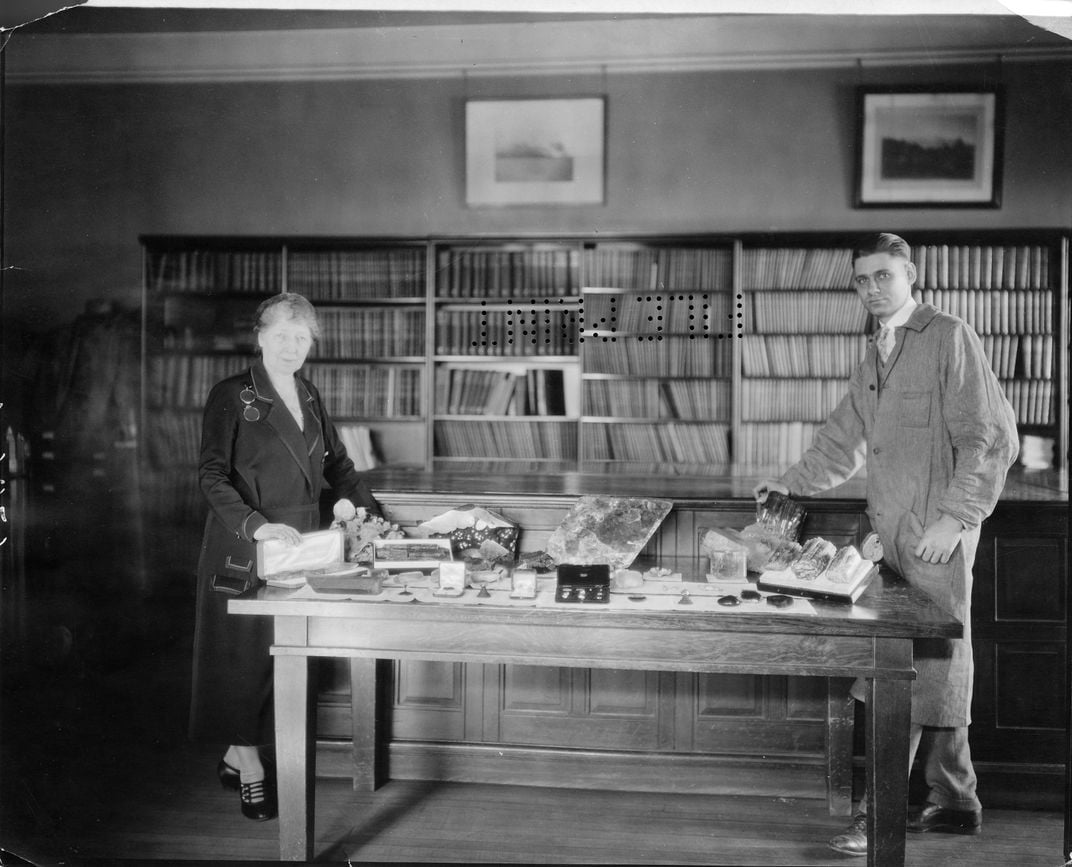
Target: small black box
[[583, 583]]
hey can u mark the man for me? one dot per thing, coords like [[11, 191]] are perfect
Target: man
[[927, 417]]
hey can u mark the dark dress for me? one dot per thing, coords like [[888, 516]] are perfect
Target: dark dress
[[257, 466]]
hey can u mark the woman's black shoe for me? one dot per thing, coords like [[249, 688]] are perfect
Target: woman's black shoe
[[258, 801], [229, 777]]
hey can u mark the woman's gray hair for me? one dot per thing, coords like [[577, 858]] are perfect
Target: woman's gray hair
[[287, 306]]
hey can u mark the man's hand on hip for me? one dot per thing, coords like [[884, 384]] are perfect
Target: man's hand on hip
[[939, 540]]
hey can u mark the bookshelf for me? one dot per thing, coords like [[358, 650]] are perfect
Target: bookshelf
[[805, 331], [505, 365], [656, 357], [694, 355], [200, 298]]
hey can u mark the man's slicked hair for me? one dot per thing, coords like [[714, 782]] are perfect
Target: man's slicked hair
[[882, 242]]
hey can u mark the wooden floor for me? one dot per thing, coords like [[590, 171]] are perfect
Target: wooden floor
[[94, 765]]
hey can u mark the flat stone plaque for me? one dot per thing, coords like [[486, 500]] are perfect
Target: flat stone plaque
[[611, 530]]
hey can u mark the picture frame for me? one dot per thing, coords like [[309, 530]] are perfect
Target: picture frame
[[929, 147], [535, 151]]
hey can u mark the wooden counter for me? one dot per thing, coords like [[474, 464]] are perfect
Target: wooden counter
[[716, 732]]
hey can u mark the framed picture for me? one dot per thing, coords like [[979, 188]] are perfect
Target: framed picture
[[928, 148], [534, 151]]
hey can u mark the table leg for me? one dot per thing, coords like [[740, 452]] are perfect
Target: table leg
[[840, 713], [366, 734], [295, 758], [888, 720]]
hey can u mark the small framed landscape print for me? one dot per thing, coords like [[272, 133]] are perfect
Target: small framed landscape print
[[534, 151], [928, 148]]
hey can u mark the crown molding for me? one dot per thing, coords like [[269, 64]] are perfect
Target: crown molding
[[554, 48]]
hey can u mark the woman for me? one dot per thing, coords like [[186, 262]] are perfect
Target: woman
[[267, 448]]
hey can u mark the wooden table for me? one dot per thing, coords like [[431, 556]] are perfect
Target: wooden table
[[871, 639]]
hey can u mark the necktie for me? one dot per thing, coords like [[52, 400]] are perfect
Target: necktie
[[885, 343]]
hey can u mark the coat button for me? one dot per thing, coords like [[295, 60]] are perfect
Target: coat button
[[871, 387], [876, 451]]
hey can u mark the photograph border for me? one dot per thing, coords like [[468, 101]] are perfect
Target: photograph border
[[984, 191], [584, 120]]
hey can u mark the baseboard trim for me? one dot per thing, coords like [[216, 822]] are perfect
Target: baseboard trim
[[1001, 785], [780, 776]]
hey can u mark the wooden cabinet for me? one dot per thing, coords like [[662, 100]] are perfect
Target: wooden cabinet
[[1019, 635], [755, 734]]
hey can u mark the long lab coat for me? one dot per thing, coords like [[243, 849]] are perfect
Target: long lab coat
[[937, 436]]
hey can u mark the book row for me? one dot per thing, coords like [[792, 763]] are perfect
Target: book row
[[774, 445], [790, 399], [378, 333], [654, 468], [343, 275], [184, 381], [981, 266], [1010, 356], [506, 439], [365, 391], [467, 391], [815, 355], [1032, 400], [661, 313], [999, 311], [676, 443], [1031, 356], [483, 466], [938, 266], [173, 439], [665, 356], [795, 268], [657, 269], [699, 399], [808, 313], [320, 275], [216, 271], [821, 355], [521, 332], [507, 273], [466, 272]]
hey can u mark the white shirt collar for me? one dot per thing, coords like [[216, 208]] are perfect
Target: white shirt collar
[[901, 316]]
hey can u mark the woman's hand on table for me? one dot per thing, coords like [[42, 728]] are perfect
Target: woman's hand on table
[[282, 532]]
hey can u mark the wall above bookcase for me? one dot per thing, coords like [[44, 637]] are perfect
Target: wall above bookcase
[[649, 355]]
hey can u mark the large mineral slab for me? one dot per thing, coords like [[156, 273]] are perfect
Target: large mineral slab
[[611, 530]]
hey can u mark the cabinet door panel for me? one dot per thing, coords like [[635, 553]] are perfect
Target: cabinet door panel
[[805, 698], [534, 688], [732, 695], [579, 708], [1029, 683], [1032, 573], [621, 693], [432, 700]]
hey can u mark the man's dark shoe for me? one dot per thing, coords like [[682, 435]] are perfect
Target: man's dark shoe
[[853, 840], [946, 821]]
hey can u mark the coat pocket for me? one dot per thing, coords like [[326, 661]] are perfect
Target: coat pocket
[[915, 408], [230, 584], [237, 575]]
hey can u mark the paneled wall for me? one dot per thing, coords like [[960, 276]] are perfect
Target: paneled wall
[[617, 728]]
